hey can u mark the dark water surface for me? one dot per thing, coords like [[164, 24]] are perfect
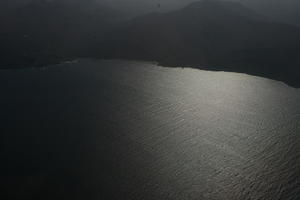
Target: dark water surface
[[133, 130]]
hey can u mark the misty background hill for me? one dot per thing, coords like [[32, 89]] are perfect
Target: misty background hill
[[47, 31], [280, 10], [256, 37]]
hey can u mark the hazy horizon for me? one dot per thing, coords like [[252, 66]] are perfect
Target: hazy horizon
[[282, 10]]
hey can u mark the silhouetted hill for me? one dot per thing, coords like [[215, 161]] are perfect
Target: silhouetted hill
[[219, 35]]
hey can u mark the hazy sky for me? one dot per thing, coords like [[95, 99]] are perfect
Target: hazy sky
[[167, 3], [285, 10], [288, 10]]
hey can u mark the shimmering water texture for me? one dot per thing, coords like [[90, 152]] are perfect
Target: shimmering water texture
[[134, 130]]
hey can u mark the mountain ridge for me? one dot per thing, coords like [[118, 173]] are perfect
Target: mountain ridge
[[209, 33]]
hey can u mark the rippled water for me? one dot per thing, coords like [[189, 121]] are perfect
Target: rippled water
[[134, 130]]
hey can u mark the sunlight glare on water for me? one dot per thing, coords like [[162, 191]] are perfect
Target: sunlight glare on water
[[135, 130]]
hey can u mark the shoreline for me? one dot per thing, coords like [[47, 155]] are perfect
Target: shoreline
[[291, 81]]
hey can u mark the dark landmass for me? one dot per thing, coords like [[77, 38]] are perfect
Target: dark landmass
[[210, 35], [220, 35]]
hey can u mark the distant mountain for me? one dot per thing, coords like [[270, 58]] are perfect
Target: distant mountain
[[44, 31], [219, 35], [280, 10]]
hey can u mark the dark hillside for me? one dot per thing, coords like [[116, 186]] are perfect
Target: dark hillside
[[222, 35]]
